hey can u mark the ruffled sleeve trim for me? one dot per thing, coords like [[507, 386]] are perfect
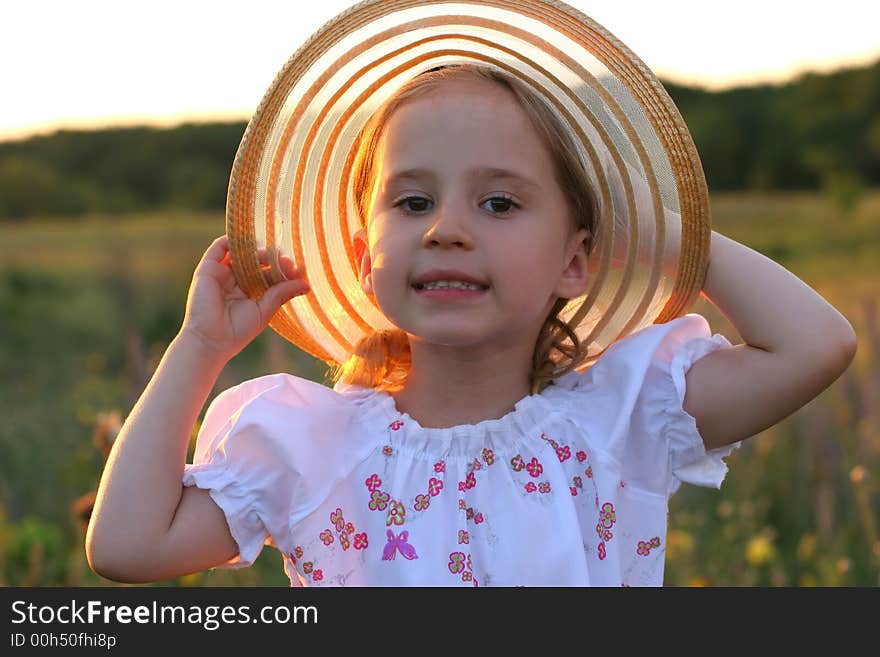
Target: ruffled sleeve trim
[[690, 461], [244, 522]]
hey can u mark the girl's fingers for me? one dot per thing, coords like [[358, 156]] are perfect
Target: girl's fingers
[[288, 268], [219, 253], [218, 250], [215, 255], [280, 294]]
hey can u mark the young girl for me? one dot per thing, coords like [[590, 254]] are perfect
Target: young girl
[[454, 451]]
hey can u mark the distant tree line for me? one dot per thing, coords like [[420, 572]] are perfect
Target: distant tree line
[[821, 131], [817, 132]]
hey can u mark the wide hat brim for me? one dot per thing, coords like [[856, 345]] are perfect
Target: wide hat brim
[[290, 187]]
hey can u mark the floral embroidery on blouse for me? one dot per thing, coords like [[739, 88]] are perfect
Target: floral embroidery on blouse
[[456, 562], [378, 500], [308, 567], [645, 547], [460, 564], [422, 502], [337, 519], [607, 515], [607, 518], [434, 486], [396, 514], [534, 467]]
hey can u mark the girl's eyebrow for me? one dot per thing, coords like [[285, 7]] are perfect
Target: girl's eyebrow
[[480, 173]]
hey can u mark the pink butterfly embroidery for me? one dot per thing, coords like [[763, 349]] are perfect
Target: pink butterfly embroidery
[[396, 543]]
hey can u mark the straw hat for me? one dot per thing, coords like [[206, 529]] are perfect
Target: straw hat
[[290, 188]]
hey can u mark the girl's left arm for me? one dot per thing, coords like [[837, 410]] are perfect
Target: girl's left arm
[[796, 344]]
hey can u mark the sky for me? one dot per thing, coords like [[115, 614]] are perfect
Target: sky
[[91, 63]]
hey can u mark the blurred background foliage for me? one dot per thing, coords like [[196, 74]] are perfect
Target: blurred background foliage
[[100, 232], [819, 132]]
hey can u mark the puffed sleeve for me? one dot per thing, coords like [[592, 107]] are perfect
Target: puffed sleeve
[[680, 344], [239, 459], [631, 402]]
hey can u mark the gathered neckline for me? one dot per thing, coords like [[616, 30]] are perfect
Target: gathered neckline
[[461, 440]]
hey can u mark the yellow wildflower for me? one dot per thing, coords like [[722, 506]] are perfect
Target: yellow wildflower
[[760, 550], [678, 543]]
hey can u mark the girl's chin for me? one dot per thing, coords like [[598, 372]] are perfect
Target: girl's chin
[[441, 336]]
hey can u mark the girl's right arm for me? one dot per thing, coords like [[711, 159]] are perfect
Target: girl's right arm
[[146, 526]]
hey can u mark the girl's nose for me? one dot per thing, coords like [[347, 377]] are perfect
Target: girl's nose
[[449, 226]]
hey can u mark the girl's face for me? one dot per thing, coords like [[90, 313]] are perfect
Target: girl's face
[[442, 201]]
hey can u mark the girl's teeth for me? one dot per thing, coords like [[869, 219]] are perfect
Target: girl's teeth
[[442, 285]]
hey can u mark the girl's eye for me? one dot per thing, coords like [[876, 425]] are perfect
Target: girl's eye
[[415, 203], [501, 204]]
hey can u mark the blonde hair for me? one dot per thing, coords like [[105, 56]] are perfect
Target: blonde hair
[[382, 359]]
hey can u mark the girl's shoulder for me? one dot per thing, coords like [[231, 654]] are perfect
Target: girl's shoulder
[[646, 368], [657, 348], [659, 341], [295, 419], [280, 388], [281, 401], [283, 392]]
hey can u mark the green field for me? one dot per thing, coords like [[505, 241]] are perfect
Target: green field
[[87, 307]]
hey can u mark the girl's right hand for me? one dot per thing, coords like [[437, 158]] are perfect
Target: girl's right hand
[[220, 315]]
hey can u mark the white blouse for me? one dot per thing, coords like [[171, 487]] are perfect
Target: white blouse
[[569, 489]]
